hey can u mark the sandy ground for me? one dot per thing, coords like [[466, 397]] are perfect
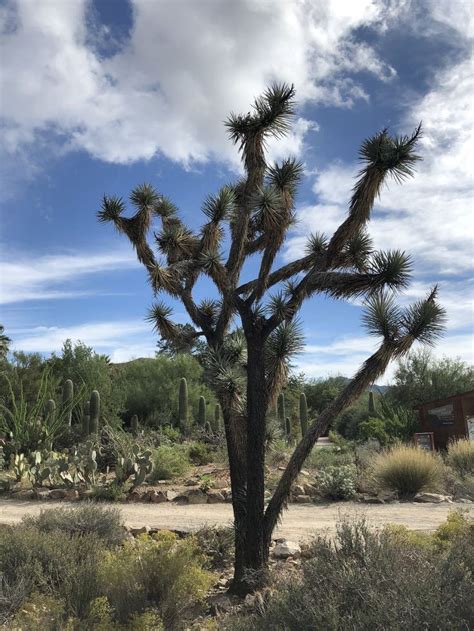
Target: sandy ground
[[299, 521]]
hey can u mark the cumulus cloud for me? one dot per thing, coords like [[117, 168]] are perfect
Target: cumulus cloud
[[26, 278], [184, 66]]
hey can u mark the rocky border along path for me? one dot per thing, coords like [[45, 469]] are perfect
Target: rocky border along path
[[299, 521]]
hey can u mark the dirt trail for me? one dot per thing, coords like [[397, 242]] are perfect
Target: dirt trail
[[299, 521]]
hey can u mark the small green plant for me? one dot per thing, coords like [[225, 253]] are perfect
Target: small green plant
[[408, 470], [138, 465], [337, 483], [461, 456], [374, 429], [200, 454], [169, 462], [205, 483]]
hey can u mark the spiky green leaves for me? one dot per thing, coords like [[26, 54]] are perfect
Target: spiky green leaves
[[393, 154], [111, 209], [391, 269], [316, 244], [285, 176], [271, 116], [219, 207], [425, 320], [164, 279], [158, 315], [382, 316], [144, 196], [176, 241]]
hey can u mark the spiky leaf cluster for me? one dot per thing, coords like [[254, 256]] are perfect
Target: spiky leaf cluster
[[393, 154]]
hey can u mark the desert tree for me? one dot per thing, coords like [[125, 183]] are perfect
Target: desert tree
[[252, 329]]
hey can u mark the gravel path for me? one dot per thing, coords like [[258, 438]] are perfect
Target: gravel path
[[299, 521]]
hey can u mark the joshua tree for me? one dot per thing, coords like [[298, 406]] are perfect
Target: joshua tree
[[4, 343], [248, 367]]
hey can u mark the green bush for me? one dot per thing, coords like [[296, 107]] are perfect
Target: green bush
[[217, 544], [337, 483], [378, 581], [200, 454], [169, 462], [408, 470], [84, 519], [373, 429], [162, 572], [461, 456], [323, 457]]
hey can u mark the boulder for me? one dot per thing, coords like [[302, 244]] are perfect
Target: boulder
[[196, 496], [434, 498], [42, 494], [215, 497], [309, 489], [70, 495], [286, 549], [171, 495], [23, 494], [302, 499], [140, 530], [298, 490], [157, 497]]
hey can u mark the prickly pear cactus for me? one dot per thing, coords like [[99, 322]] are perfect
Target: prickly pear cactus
[[134, 425], [303, 414], [202, 411], [68, 396], [94, 412], [183, 405]]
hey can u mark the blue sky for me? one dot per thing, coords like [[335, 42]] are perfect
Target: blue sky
[[98, 96]]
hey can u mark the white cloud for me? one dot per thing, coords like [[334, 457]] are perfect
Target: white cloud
[[111, 337], [185, 66], [50, 277]]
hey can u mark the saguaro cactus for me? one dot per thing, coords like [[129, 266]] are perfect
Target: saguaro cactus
[[281, 411], [303, 413], [183, 404], [134, 425], [288, 429], [86, 419], [202, 411], [216, 421], [50, 408], [94, 412], [68, 395], [372, 411]]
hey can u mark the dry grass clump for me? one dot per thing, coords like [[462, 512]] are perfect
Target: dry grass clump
[[408, 470], [461, 456]]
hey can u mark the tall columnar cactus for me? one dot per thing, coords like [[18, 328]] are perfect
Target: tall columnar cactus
[[134, 425], [372, 410], [86, 419], [288, 429], [68, 396], [216, 421], [281, 411], [207, 427], [94, 412], [183, 404], [303, 413], [50, 408], [202, 411]]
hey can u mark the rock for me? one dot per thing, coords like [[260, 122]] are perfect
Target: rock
[[304, 472], [86, 494], [371, 499], [464, 500], [42, 494], [215, 497], [181, 499], [70, 495], [196, 496], [23, 494], [220, 484], [157, 497], [286, 549], [309, 489], [303, 499], [137, 496], [171, 495], [434, 498], [142, 530], [191, 482]]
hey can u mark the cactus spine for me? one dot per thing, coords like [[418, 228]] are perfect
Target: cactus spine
[[94, 412], [303, 414], [183, 404], [372, 411], [86, 419], [68, 396], [216, 422], [202, 411], [281, 410], [134, 425]]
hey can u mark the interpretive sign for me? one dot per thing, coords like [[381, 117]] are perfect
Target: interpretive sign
[[425, 440]]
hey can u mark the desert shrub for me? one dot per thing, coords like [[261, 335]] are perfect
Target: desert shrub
[[337, 483], [169, 461], [461, 456], [217, 544], [51, 562], [373, 429], [323, 457], [81, 520], [200, 454], [40, 611], [408, 470], [161, 572], [111, 493], [375, 580]]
